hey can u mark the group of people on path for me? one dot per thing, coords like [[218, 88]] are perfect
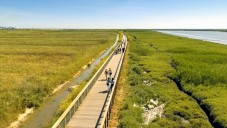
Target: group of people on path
[[109, 81], [121, 48]]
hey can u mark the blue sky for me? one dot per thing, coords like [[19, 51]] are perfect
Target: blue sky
[[114, 13]]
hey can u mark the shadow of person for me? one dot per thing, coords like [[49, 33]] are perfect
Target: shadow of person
[[106, 91], [102, 80]]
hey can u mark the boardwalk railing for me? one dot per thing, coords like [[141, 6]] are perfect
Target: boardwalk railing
[[106, 110], [68, 113]]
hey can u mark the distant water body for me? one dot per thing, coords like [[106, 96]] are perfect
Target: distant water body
[[212, 36]]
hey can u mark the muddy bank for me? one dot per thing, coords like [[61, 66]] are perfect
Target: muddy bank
[[21, 118]]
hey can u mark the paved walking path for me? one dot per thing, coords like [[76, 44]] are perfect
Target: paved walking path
[[88, 112]]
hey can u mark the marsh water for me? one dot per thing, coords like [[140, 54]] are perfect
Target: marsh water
[[44, 115], [211, 36]]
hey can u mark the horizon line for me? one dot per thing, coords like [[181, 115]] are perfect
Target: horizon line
[[120, 28]]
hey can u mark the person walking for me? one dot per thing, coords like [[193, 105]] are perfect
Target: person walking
[[108, 84], [106, 73], [110, 72], [123, 49], [112, 83], [123, 44], [119, 50], [116, 52]]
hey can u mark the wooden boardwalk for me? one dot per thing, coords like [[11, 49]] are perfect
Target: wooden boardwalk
[[89, 111]]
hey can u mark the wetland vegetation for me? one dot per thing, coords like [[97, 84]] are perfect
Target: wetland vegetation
[[34, 62], [187, 75]]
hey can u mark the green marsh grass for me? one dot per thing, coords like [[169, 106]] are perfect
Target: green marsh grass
[[199, 66], [34, 62]]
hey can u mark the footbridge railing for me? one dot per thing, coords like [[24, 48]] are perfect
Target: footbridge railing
[[104, 117], [68, 113]]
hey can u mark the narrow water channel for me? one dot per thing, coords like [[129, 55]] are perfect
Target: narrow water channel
[[44, 115], [198, 101], [203, 108]]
